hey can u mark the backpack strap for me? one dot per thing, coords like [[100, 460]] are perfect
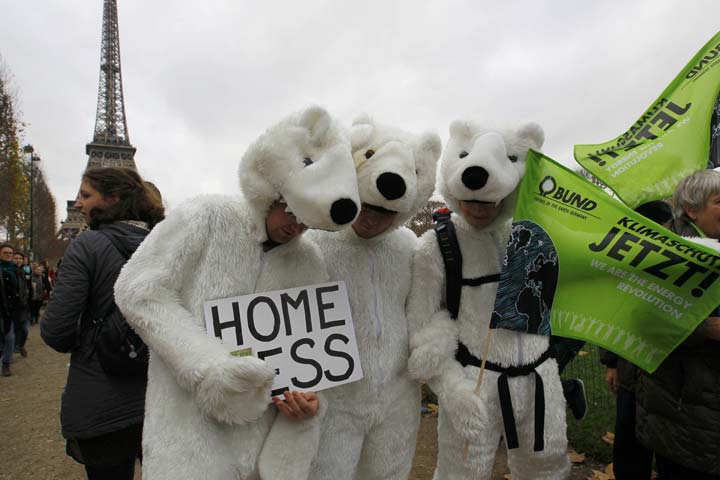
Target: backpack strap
[[126, 254], [452, 258]]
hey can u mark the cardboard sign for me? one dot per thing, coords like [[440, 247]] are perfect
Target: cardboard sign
[[580, 264], [305, 333]]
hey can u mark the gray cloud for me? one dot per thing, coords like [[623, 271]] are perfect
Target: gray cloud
[[203, 79]]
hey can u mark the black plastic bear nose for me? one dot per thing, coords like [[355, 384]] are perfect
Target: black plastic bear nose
[[474, 178], [343, 211], [391, 185]]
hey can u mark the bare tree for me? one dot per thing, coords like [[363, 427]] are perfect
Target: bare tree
[[591, 178]]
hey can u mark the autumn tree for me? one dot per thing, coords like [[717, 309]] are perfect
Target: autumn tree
[[14, 188], [423, 220], [15, 177]]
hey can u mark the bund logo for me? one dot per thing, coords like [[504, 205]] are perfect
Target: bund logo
[[549, 188]]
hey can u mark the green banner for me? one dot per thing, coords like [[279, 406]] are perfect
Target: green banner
[[622, 281], [668, 142]]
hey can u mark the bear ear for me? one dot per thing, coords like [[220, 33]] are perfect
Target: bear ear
[[362, 119], [361, 131], [533, 132], [317, 122], [460, 129], [431, 143]]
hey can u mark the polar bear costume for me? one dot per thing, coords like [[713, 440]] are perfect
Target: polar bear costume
[[370, 425], [481, 164], [206, 412]]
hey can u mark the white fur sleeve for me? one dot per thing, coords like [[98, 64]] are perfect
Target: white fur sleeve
[[149, 291], [433, 334]]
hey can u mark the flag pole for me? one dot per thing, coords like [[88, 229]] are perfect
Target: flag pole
[[479, 380]]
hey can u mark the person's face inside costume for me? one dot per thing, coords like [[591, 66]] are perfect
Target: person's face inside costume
[[707, 218], [89, 198], [282, 226], [372, 221], [479, 214]]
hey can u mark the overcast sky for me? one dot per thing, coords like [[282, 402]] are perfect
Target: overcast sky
[[203, 79]]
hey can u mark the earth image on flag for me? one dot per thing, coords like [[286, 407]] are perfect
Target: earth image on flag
[[527, 282]]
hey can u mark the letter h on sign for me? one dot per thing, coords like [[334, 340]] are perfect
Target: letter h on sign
[[219, 326]]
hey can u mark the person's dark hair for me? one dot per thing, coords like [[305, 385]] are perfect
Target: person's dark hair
[[659, 211], [7, 245], [135, 200]]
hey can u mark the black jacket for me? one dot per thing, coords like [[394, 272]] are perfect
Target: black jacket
[[678, 405], [9, 298], [93, 403]]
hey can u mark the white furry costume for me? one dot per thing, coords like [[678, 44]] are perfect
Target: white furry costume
[[206, 414], [370, 426], [483, 165]]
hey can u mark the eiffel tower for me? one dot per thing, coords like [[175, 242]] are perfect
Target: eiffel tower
[[110, 146]]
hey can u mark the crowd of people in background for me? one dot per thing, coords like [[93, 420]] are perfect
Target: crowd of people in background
[[25, 286]]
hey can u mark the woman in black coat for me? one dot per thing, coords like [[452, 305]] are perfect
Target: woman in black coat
[[101, 414], [678, 405]]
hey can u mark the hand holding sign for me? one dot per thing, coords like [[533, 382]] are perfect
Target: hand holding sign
[[298, 405], [306, 334]]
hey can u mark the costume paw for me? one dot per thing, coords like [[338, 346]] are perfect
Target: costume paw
[[466, 412], [432, 346], [236, 391]]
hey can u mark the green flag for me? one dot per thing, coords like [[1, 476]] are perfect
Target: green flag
[[668, 142], [601, 272]]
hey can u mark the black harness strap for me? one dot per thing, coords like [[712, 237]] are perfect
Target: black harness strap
[[464, 356], [476, 282], [452, 258]]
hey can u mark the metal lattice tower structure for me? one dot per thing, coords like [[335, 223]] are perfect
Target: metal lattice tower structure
[[111, 142], [110, 146]]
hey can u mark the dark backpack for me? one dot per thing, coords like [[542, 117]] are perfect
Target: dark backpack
[[120, 350]]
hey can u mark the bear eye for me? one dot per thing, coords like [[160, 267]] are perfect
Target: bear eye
[[463, 154], [369, 153], [307, 161], [512, 158]]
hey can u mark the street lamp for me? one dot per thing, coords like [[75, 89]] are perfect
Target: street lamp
[[28, 149]]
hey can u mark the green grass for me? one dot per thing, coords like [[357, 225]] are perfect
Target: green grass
[[585, 435]]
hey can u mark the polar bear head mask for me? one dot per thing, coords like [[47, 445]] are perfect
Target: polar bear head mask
[[305, 161], [395, 169], [485, 164]]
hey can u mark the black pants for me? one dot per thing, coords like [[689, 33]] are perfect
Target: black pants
[[125, 471], [669, 470], [35, 311], [22, 324], [111, 456], [631, 460]]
